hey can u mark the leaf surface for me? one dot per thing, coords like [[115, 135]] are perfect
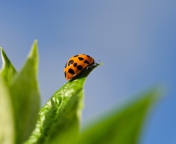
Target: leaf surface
[[59, 118], [7, 122], [25, 96]]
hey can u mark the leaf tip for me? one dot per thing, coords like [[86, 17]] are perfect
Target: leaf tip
[[159, 92], [101, 63], [34, 50], [2, 57]]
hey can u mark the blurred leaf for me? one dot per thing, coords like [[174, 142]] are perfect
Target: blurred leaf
[[59, 118], [25, 96], [7, 126], [121, 127], [8, 70]]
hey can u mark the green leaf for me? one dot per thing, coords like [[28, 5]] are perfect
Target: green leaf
[[25, 96], [8, 70], [7, 125], [121, 127], [59, 118]]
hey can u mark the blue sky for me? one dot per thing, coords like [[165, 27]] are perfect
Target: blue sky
[[135, 39]]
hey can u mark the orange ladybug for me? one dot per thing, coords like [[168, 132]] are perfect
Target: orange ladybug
[[76, 64]]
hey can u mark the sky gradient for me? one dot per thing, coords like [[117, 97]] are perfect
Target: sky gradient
[[136, 40]]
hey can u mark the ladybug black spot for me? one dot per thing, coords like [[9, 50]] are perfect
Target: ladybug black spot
[[88, 56], [65, 74], [75, 64], [70, 62], [87, 62], [71, 71], [79, 67], [75, 55], [80, 58]]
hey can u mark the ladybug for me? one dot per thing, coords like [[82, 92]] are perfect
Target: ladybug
[[76, 64]]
